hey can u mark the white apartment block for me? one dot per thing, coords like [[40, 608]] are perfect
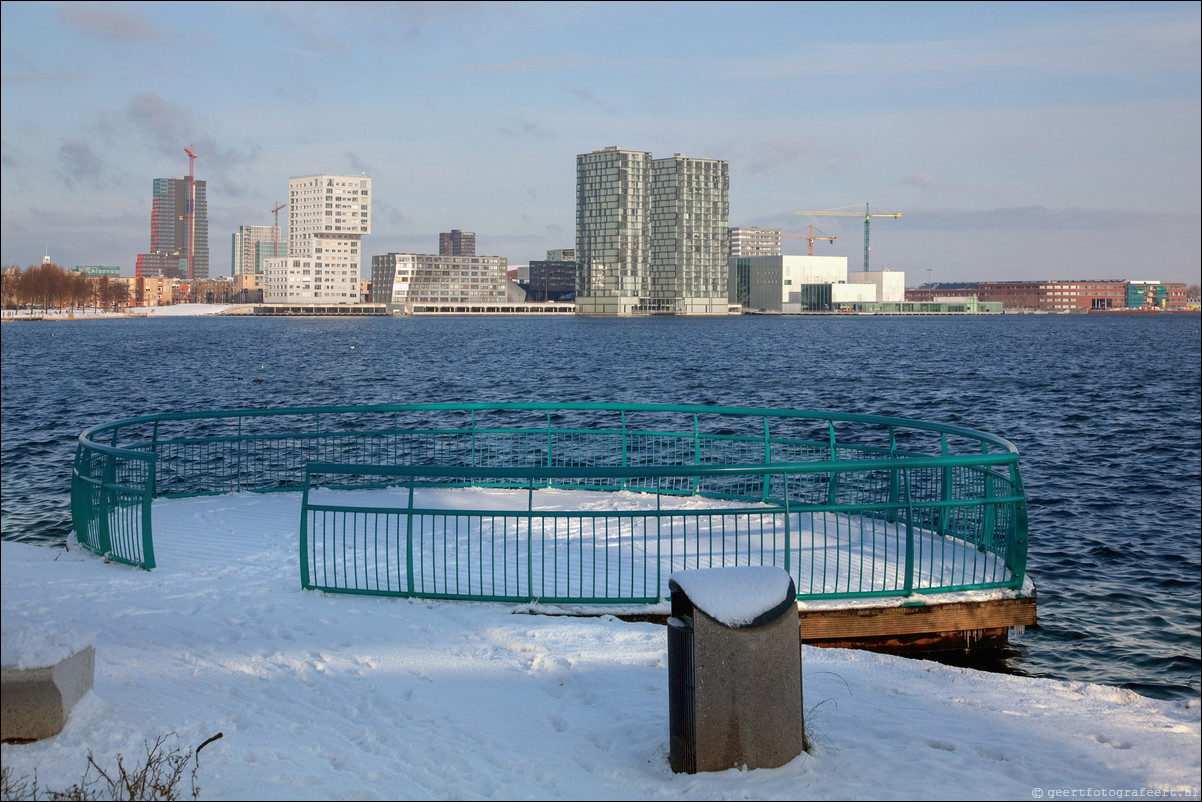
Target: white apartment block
[[328, 216], [409, 281], [745, 241]]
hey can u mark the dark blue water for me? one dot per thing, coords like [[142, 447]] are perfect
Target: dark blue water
[[1105, 411]]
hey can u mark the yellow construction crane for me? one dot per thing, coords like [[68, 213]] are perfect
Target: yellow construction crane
[[810, 238], [867, 214]]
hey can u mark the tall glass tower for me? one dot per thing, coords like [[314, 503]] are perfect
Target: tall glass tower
[[651, 234], [171, 231]]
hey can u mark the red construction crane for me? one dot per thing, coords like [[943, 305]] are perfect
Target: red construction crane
[[276, 232], [191, 208], [811, 238]]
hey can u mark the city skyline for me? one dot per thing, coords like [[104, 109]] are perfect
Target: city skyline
[[1019, 141]]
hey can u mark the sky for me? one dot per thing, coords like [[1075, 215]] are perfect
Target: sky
[[350, 697], [1019, 141]]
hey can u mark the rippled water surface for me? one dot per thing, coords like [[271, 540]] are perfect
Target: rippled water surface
[[1105, 412]]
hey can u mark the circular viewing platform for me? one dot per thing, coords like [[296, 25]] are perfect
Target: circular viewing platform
[[897, 533]]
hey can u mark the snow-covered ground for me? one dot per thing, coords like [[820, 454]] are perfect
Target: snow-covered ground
[[349, 697]]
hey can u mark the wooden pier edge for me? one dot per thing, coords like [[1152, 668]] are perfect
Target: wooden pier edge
[[934, 627], [928, 626]]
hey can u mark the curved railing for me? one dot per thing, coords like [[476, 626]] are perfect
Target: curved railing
[[849, 505]]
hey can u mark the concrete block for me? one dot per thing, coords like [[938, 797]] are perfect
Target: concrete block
[[36, 701]]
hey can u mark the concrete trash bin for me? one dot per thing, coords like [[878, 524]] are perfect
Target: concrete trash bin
[[734, 669]]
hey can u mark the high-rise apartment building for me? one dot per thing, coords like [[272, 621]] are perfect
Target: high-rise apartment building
[[613, 230], [690, 213], [328, 216], [746, 242], [457, 243], [179, 231], [651, 234], [245, 257]]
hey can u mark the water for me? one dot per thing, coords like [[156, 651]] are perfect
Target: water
[[1105, 411]]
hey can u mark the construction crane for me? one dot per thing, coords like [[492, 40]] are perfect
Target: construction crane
[[810, 238], [276, 233], [191, 208], [867, 214]]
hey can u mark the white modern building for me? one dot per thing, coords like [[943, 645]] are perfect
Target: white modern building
[[781, 283], [890, 284], [746, 241], [410, 282], [328, 216], [651, 234]]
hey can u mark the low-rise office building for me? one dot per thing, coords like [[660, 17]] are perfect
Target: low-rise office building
[[551, 281], [772, 283], [405, 281]]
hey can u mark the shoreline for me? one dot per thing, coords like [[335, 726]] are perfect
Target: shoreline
[[182, 310]]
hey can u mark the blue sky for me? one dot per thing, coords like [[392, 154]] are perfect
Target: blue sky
[[1018, 140]]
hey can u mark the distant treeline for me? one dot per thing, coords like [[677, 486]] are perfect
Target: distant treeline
[[49, 286]]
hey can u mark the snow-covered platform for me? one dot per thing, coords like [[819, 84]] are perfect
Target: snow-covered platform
[[228, 529]]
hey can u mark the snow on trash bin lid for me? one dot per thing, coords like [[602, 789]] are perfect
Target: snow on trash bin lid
[[739, 596]]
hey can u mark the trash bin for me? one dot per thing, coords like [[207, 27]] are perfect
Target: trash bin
[[734, 669]]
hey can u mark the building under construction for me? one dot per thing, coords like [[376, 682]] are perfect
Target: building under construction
[[179, 230]]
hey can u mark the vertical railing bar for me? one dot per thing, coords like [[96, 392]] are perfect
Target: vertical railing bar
[[147, 525], [765, 477], [908, 585], [409, 537]]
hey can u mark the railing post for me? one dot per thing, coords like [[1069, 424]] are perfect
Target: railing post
[[316, 439], [625, 446], [659, 547], [154, 449], [108, 479], [989, 516], [409, 536], [765, 477], [945, 490], [77, 513], [909, 581], [891, 513], [530, 535], [304, 533], [832, 490], [1016, 536], [788, 531], [696, 453], [147, 528], [238, 467]]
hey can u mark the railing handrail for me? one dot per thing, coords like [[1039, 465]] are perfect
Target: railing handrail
[[749, 412], [605, 472]]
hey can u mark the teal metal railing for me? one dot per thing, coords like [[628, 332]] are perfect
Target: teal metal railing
[[849, 505]]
